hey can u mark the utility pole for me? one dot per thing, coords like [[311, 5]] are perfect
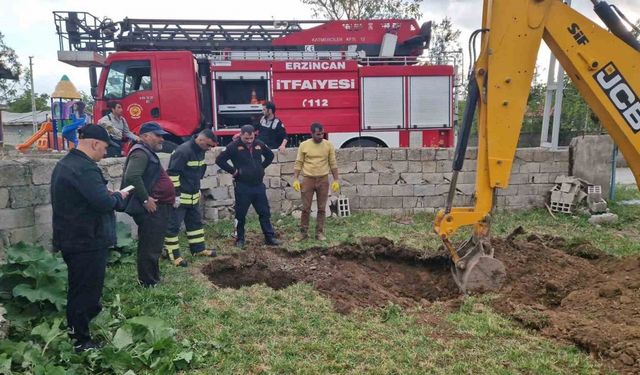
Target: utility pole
[[33, 98]]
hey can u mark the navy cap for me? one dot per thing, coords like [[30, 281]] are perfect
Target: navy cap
[[152, 127], [91, 131]]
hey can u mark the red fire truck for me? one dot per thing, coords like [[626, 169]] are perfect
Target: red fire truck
[[362, 79]]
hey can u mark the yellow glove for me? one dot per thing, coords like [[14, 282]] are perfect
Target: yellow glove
[[296, 185], [335, 186]]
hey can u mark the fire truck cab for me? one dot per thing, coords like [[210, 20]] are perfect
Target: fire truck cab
[[361, 79]]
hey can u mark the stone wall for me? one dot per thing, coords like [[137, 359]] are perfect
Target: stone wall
[[375, 179]]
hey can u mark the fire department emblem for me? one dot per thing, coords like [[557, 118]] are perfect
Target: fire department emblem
[[135, 111]]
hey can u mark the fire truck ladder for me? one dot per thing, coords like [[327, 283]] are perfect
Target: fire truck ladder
[[82, 31]]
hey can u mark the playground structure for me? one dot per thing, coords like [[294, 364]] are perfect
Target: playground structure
[[63, 121]]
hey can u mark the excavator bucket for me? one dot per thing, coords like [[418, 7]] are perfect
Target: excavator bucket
[[477, 270]]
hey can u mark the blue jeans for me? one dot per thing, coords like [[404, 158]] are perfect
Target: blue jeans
[[256, 195]]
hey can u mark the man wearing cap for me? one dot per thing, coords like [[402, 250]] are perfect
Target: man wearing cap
[[151, 203], [84, 228]]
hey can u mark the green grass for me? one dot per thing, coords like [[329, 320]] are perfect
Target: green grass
[[295, 330]]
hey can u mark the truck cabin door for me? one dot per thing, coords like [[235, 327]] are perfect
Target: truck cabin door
[[130, 83]]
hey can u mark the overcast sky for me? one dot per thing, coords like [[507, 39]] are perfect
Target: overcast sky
[[29, 29]]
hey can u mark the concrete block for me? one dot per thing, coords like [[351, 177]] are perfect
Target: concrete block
[[225, 179], [220, 193], [363, 190], [211, 213], [414, 154], [13, 173], [511, 190], [412, 178], [273, 170], [26, 234], [209, 182], [525, 154], [562, 155], [353, 178], [43, 214], [115, 171], [411, 202], [4, 198], [41, 170], [563, 168], [469, 166], [424, 190], [389, 178], [354, 203], [467, 177], [291, 194], [542, 155], [384, 154], [275, 195], [289, 155], [363, 166], [527, 190], [27, 196], [399, 154], [349, 191], [518, 178], [436, 202], [443, 166], [539, 178], [444, 154], [466, 189], [381, 166], [43, 235], [345, 167], [370, 202], [442, 189], [433, 178], [402, 190], [370, 154], [429, 166], [471, 154], [391, 202], [530, 167], [356, 154], [369, 179], [286, 168], [274, 182], [16, 218], [414, 166], [382, 191], [220, 203], [400, 166], [428, 154]]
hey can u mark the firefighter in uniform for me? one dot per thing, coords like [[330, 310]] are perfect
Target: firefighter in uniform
[[186, 169]]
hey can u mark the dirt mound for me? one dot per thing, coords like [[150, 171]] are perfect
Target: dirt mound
[[370, 274], [568, 291], [574, 293]]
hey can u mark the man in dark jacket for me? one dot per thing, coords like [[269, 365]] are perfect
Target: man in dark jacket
[[152, 201], [250, 157], [271, 130], [186, 169], [84, 228]]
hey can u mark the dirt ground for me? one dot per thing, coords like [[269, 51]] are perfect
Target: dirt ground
[[573, 293]]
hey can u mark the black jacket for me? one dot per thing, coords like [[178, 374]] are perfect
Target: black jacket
[[271, 132], [187, 167], [83, 209], [248, 164]]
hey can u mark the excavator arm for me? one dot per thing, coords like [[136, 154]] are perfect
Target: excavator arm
[[604, 66]]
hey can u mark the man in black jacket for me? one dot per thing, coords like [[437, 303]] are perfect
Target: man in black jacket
[[84, 228], [271, 130], [250, 157]]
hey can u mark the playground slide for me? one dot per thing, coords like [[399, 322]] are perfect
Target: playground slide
[[44, 129]]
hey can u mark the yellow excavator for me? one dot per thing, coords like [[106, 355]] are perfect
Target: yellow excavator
[[603, 64]]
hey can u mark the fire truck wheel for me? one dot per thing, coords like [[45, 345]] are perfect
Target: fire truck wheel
[[362, 142]]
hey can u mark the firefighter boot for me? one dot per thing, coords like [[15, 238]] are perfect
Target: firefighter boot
[[172, 248], [206, 253]]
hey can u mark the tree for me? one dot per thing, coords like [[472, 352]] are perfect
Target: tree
[[10, 69], [364, 9], [22, 102], [444, 40]]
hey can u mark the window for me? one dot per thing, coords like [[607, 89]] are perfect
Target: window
[[127, 77]]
